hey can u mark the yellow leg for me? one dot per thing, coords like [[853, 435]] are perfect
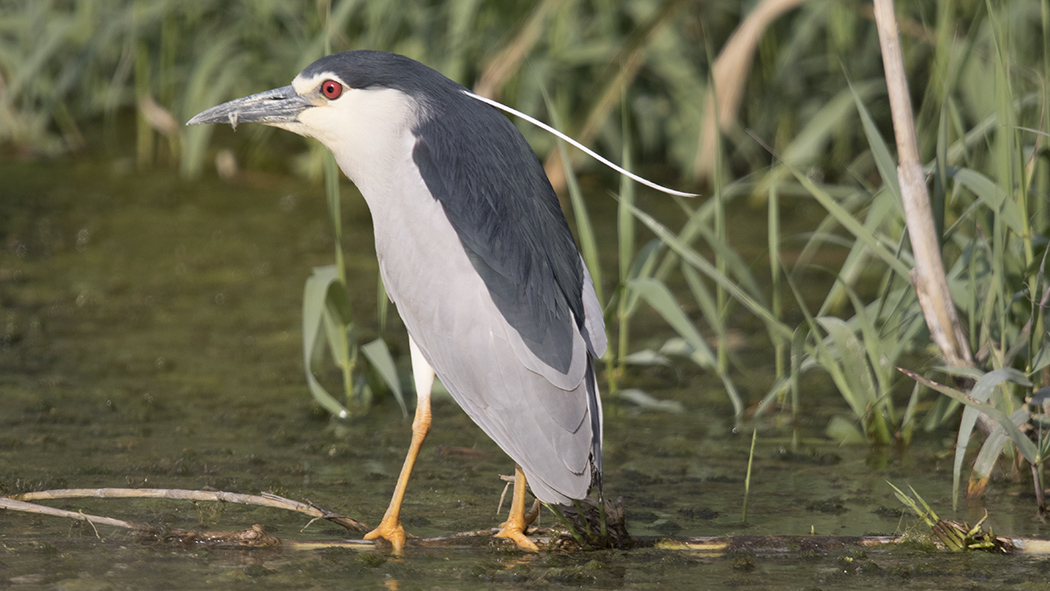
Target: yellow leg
[[390, 528], [518, 521]]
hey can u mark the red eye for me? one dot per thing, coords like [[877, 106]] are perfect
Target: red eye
[[331, 89]]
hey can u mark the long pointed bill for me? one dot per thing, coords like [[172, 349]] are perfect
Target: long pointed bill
[[273, 107]]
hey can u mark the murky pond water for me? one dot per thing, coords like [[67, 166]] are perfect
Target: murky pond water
[[149, 337]]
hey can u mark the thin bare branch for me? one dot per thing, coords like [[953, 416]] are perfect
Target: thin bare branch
[[25, 507], [264, 500]]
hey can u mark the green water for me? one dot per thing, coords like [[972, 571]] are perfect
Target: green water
[[149, 337]]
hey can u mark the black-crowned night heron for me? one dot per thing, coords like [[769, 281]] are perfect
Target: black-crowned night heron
[[475, 252]]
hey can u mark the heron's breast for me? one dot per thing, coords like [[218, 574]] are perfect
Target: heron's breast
[[424, 266]]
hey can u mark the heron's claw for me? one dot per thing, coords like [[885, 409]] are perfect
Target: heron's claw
[[392, 532], [514, 528]]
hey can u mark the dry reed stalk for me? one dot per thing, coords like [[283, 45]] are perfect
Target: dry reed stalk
[[728, 78], [931, 285]]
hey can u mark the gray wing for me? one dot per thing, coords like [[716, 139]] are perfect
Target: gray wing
[[507, 217]]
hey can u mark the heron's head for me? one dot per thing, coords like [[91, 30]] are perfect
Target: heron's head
[[362, 105]]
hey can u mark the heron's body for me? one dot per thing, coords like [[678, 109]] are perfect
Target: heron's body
[[473, 249]]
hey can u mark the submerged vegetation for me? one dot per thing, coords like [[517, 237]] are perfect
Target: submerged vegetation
[[802, 129]]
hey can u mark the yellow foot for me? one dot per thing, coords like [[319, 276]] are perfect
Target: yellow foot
[[514, 529], [391, 532], [518, 536]]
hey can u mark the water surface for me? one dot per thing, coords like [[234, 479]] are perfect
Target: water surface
[[149, 337]]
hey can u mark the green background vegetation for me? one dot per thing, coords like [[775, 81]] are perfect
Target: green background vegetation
[[809, 135]]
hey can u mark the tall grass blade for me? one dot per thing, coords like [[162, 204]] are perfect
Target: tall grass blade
[[1025, 445], [625, 239], [584, 227], [701, 264], [884, 159], [315, 308], [981, 392], [991, 450], [660, 298], [378, 355], [854, 227], [747, 478]]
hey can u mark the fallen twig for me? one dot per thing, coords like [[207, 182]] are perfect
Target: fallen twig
[[264, 500], [25, 507], [253, 537]]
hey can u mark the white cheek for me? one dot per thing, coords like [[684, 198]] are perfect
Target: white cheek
[[292, 126], [369, 131], [321, 123]]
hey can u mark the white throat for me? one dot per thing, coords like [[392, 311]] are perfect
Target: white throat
[[369, 132]]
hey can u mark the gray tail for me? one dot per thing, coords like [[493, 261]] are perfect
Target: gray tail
[[594, 403]]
